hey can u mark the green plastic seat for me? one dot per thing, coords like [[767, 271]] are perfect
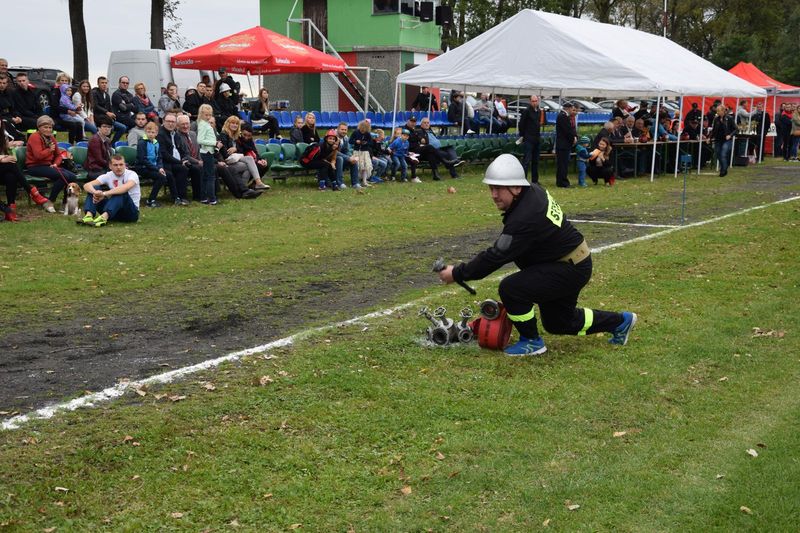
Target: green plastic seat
[[129, 153]]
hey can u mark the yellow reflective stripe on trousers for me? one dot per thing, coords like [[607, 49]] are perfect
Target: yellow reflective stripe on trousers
[[588, 319], [522, 318]]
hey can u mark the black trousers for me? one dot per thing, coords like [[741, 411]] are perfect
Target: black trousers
[[531, 159], [555, 287], [562, 167], [179, 174]]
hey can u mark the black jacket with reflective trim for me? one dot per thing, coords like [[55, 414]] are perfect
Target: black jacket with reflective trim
[[535, 231]]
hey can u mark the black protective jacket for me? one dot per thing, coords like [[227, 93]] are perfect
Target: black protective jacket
[[535, 231]]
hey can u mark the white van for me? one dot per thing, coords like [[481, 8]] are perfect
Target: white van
[[153, 68]]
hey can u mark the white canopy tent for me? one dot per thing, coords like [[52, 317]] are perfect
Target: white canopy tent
[[536, 51]]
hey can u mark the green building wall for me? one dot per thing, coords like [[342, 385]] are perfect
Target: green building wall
[[352, 26]]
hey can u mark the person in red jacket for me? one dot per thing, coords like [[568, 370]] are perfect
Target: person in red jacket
[[98, 158], [45, 159]]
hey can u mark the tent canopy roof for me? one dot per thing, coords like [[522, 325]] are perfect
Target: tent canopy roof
[[536, 51], [753, 74], [257, 51]]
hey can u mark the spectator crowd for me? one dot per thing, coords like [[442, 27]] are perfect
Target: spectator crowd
[[187, 147]]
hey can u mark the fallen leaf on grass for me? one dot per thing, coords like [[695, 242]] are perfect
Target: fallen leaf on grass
[[439, 456], [758, 332], [720, 476], [546, 522], [620, 433], [61, 489], [405, 491], [134, 478], [49, 529], [176, 398], [723, 378], [295, 526], [267, 495], [140, 392], [159, 396], [752, 452], [745, 510], [265, 380], [234, 523], [573, 507], [209, 386], [176, 515]]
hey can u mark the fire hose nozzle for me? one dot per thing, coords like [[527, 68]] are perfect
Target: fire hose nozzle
[[440, 265]]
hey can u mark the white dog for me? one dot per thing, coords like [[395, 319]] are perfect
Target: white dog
[[73, 206]]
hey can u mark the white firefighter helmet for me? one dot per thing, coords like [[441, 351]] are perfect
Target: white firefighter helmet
[[506, 171]]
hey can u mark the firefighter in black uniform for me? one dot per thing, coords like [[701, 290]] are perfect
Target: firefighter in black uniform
[[554, 261]]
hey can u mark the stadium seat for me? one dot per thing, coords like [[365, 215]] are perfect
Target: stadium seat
[[129, 153], [352, 120], [82, 144], [64, 145], [289, 159], [120, 143], [285, 120]]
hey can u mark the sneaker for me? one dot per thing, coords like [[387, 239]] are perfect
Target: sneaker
[[416, 180], [184, 202], [323, 187], [213, 202], [342, 186], [357, 186], [99, 221], [525, 346], [152, 203], [620, 335], [375, 179], [87, 219], [205, 201], [177, 202]]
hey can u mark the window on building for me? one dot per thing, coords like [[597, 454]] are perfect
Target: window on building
[[382, 7]]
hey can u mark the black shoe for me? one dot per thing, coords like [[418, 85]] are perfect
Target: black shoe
[[723, 174], [152, 203], [436, 177], [250, 193]]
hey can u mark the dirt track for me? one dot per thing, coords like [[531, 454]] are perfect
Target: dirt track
[[44, 364]]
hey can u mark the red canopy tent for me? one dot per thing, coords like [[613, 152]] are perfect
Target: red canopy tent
[[756, 76], [257, 51]]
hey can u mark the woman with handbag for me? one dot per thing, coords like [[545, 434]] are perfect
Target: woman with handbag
[[231, 131], [45, 159]]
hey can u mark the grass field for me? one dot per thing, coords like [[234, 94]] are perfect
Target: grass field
[[365, 428]]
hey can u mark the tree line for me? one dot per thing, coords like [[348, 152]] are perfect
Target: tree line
[[161, 11], [763, 32]]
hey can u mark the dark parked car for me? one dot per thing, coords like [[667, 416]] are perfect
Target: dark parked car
[[515, 107], [43, 79]]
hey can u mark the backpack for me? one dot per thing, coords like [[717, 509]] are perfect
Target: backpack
[[310, 153]]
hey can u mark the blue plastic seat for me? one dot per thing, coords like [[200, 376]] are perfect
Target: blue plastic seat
[[285, 120], [352, 120], [82, 144], [372, 116], [65, 146], [260, 141], [120, 143], [244, 115], [324, 119]]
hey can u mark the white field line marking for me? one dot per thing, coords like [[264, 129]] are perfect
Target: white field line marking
[[119, 389], [634, 224]]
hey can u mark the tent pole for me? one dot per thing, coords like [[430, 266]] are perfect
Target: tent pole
[[464, 111], [762, 142], [250, 85], [678, 146], [655, 139], [774, 118], [519, 114], [491, 115], [394, 106], [733, 137], [702, 134]]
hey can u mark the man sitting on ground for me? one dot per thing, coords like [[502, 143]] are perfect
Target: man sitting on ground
[[121, 200]]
